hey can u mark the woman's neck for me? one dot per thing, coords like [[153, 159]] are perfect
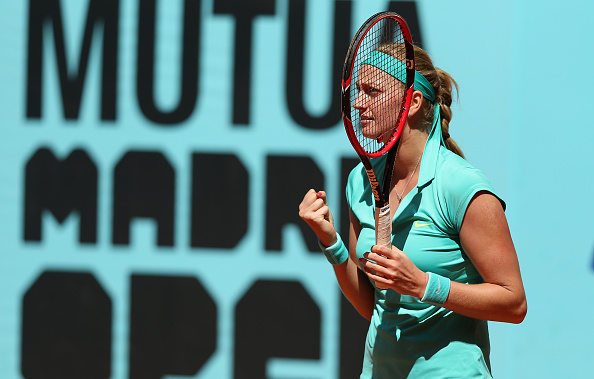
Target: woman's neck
[[412, 144]]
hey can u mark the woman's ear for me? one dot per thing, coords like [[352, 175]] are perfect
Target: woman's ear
[[415, 104]]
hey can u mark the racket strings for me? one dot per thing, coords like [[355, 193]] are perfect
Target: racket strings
[[378, 97]]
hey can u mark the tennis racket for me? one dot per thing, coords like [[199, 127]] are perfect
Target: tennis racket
[[377, 86]]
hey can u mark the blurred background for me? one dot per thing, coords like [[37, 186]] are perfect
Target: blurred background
[[153, 155]]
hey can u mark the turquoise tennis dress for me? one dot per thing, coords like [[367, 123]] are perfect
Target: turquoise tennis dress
[[408, 338]]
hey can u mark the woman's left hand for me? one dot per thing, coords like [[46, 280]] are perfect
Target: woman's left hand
[[394, 269]]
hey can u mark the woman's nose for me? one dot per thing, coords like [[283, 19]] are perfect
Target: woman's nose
[[359, 102]]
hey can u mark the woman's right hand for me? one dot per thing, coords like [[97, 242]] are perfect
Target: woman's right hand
[[315, 212]]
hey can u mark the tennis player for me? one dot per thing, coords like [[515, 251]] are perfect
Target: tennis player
[[452, 264]]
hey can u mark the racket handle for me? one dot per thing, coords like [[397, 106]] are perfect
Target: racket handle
[[383, 226]]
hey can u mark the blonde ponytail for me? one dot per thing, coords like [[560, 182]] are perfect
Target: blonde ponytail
[[443, 84]]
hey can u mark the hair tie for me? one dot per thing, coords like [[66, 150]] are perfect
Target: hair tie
[[445, 135]]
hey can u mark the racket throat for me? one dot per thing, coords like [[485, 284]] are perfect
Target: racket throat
[[375, 187]]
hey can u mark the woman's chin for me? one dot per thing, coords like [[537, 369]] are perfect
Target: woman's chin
[[369, 131], [373, 134]]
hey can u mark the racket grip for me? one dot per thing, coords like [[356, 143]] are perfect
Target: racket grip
[[383, 226]]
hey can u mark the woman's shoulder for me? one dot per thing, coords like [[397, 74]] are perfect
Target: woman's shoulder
[[455, 172], [457, 181]]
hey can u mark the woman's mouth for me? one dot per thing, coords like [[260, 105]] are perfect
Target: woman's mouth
[[365, 120]]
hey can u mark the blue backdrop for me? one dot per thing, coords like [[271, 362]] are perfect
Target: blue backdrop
[[153, 155]]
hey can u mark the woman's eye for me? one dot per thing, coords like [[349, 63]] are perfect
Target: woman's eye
[[368, 90]]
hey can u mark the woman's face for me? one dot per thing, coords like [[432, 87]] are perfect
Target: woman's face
[[378, 101]]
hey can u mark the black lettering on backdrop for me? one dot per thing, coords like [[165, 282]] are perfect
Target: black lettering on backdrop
[[296, 64], [173, 326], [220, 200], [66, 328], [48, 12], [61, 187], [145, 70], [346, 166], [44, 13], [408, 11], [54, 342], [287, 180], [244, 13], [274, 319], [144, 186], [353, 326], [353, 331]]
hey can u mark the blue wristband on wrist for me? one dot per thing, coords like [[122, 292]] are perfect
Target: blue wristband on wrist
[[337, 253], [437, 290]]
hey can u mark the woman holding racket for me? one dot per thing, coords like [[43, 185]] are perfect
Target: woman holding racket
[[451, 264]]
